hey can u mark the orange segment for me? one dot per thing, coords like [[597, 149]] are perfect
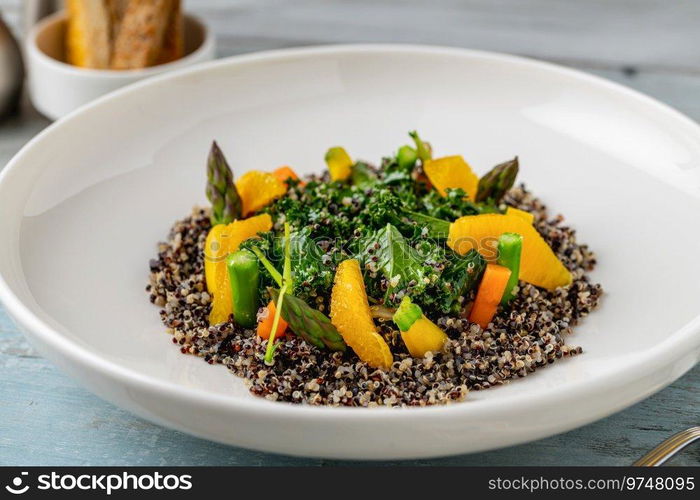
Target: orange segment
[[538, 265], [215, 252], [222, 240], [222, 301], [241, 230], [351, 315], [451, 172], [257, 189], [527, 216]]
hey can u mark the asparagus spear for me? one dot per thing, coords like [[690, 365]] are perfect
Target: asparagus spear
[[310, 324], [244, 277], [423, 149], [495, 183], [510, 247], [226, 205]]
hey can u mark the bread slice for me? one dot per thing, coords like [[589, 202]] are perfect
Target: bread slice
[[117, 9], [88, 35], [174, 37], [140, 37]]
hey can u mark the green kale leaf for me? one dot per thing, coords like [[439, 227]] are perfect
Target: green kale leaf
[[460, 275], [387, 253], [453, 206], [312, 267]]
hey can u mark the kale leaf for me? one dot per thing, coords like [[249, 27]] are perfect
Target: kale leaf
[[461, 275], [387, 252], [453, 206], [432, 274], [312, 267]]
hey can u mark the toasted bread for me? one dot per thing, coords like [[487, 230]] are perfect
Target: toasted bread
[[173, 40], [117, 9], [140, 38], [88, 43]]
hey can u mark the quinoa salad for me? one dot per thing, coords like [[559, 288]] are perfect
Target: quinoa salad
[[406, 283]]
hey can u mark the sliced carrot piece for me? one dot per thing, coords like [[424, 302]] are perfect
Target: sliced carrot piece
[[265, 326], [489, 295], [285, 172], [538, 265]]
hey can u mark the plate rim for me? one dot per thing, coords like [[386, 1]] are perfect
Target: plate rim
[[684, 340]]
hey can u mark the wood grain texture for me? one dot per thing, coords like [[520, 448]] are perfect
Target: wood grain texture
[[650, 45]]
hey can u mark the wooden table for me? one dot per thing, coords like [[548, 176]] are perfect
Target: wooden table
[[651, 45]]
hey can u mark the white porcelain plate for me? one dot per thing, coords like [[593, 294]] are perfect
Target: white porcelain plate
[[83, 205]]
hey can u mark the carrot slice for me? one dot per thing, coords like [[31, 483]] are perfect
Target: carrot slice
[[285, 172], [265, 326], [489, 295]]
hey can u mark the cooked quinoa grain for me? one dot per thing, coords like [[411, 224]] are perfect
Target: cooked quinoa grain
[[528, 335]]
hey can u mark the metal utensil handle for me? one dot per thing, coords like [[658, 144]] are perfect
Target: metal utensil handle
[[669, 447]]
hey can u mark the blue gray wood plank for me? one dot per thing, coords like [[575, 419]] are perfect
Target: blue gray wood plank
[[651, 45]]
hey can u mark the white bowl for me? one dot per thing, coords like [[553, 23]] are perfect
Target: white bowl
[[56, 88], [84, 203]]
